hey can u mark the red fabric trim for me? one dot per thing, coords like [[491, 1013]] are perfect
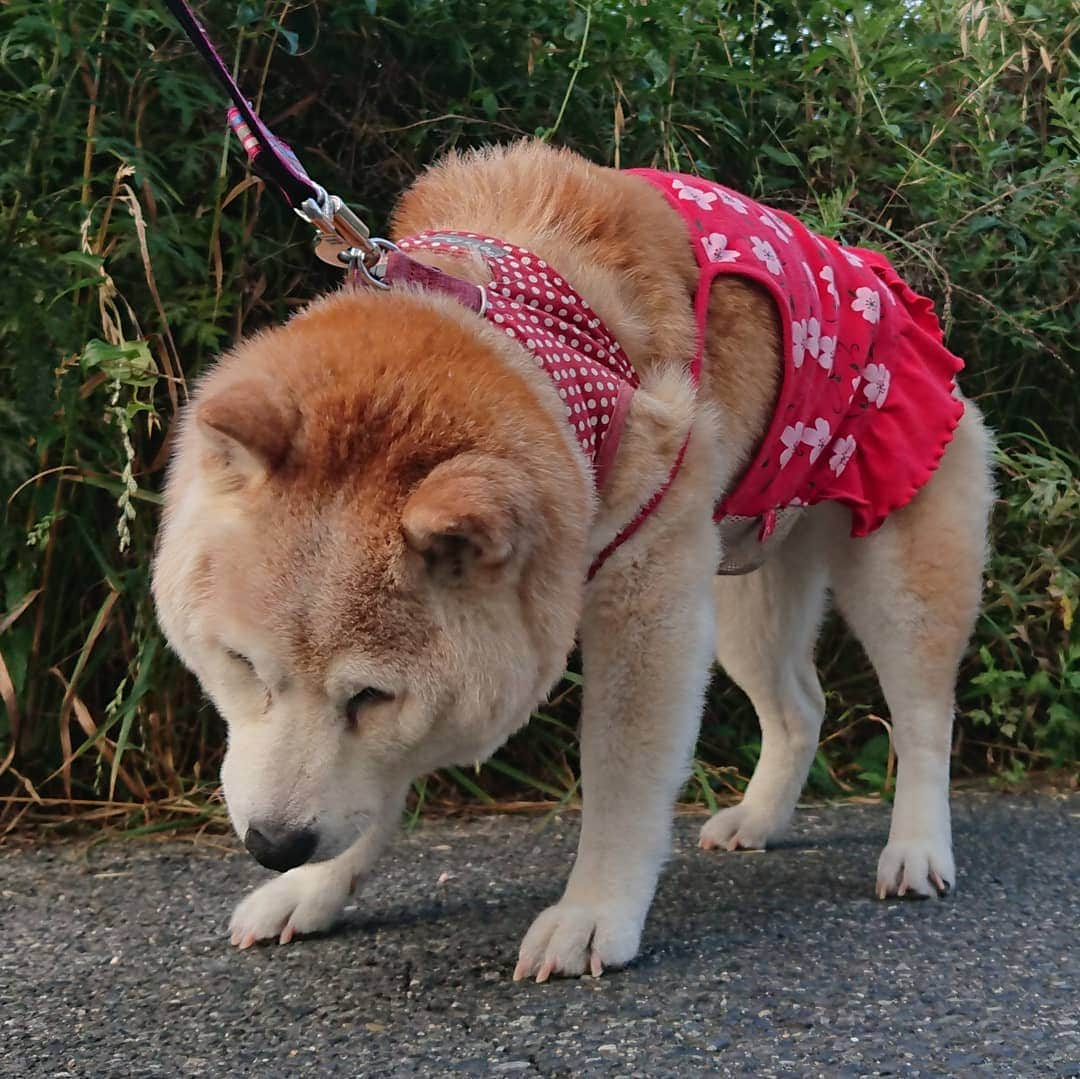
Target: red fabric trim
[[605, 458], [640, 517]]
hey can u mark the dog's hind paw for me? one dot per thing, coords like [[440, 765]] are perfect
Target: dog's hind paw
[[307, 899], [572, 938], [917, 868]]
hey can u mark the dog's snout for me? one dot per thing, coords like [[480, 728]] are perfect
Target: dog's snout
[[280, 848]]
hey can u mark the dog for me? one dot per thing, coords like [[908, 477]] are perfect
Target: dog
[[384, 531]]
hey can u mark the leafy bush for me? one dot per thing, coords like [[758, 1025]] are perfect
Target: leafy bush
[[946, 134]]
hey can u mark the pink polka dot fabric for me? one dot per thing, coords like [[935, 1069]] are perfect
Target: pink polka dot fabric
[[532, 303]]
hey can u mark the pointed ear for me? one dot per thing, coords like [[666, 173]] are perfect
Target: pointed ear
[[248, 427], [469, 515]]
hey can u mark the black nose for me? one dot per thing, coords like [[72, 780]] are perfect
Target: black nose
[[280, 848]]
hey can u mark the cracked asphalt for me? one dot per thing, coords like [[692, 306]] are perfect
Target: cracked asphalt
[[115, 960]]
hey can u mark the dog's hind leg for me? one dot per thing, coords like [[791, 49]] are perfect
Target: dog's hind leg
[[767, 625], [910, 592]]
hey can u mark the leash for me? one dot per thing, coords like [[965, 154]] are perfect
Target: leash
[[344, 240]]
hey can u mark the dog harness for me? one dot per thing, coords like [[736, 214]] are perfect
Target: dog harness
[[867, 401], [528, 301], [532, 303]]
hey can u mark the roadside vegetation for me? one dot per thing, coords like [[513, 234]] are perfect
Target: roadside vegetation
[[137, 247]]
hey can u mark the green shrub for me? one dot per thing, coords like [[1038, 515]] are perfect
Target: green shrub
[[946, 134]]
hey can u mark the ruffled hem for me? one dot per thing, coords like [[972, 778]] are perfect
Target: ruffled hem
[[919, 354]]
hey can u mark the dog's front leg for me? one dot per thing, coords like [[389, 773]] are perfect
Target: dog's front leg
[[647, 645], [311, 897]]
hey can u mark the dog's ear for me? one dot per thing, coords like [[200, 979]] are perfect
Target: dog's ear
[[248, 427], [470, 516]]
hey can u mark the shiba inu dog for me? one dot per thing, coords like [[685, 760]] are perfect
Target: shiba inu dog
[[388, 521]]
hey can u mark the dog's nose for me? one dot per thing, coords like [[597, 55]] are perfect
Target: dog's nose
[[280, 848]]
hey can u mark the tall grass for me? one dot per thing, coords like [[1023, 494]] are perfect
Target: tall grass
[[137, 247]]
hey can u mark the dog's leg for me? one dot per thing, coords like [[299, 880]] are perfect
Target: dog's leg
[[311, 897], [645, 640], [767, 625], [911, 592]]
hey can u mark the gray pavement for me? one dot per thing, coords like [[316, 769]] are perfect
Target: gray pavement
[[114, 961]]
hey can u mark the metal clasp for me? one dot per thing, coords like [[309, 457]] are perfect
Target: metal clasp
[[340, 232]]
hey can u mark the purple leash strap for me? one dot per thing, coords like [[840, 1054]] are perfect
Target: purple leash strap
[[273, 159], [345, 241], [344, 237]]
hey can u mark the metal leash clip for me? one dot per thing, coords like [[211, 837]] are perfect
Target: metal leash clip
[[341, 234]]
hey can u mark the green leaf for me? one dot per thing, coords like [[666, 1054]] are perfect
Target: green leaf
[[130, 363]]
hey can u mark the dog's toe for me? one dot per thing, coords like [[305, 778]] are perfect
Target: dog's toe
[[571, 938], [304, 900], [917, 868]]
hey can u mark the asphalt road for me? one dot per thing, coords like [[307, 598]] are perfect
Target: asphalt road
[[114, 961]]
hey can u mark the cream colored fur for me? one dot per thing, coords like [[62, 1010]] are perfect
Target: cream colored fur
[[324, 594]]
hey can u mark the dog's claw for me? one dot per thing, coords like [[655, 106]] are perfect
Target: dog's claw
[[247, 941], [287, 934], [521, 971], [596, 967], [547, 968]]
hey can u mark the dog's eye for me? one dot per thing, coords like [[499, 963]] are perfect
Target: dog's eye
[[236, 657], [359, 701]]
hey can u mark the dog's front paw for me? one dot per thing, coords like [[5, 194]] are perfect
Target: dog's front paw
[[741, 827], [916, 867], [307, 899], [570, 938]]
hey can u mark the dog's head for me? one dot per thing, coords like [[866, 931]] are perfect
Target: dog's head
[[372, 557]]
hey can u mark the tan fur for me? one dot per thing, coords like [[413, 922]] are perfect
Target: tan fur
[[381, 503]]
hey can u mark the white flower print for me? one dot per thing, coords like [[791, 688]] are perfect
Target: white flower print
[[716, 248], [828, 353], [791, 437], [828, 275], [854, 388], [703, 199], [732, 201], [868, 301], [842, 449], [817, 437], [852, 258], [805, 337], [781, 228], [878, 378], [765, 252]]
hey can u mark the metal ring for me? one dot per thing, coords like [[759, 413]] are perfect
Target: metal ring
[[358, 269], [356, 260]]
